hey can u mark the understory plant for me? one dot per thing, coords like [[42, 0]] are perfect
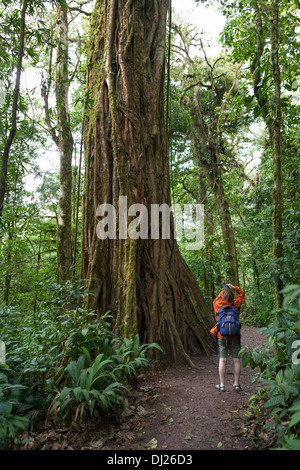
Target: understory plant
[[279, 373], [94, 387], [97, 386], [68, 365], [11, 408]]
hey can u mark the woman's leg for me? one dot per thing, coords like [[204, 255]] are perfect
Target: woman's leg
[[222, 370], [236, 370]]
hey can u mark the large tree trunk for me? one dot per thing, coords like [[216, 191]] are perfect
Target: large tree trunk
[[145, 283], [65, 146]]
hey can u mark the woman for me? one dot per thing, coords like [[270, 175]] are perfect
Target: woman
[[228, 346]]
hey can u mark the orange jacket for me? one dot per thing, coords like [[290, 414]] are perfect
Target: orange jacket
[[220, 302]]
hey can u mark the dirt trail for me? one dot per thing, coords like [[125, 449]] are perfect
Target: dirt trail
[[184, 411], [178, 409]]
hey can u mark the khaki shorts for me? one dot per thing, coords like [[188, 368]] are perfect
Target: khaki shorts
[[230, 347]]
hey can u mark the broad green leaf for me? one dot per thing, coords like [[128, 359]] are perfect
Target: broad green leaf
[[295, 419], [274, 401], [5, 407], [246, 358]]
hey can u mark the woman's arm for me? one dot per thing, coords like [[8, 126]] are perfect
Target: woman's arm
[[240, 297]]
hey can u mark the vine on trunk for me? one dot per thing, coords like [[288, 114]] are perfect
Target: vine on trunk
[[145, 283]]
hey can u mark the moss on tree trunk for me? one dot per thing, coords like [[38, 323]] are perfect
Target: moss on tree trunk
[[277, 151], [65, 146], [145, 283]]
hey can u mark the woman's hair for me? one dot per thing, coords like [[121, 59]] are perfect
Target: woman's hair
[[227, 294]]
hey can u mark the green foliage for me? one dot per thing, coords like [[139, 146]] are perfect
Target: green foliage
[[279, 372], [130, 355], [246, 158], [11, 408], [91, 386], [61, 357], [67, 362], [101, 385]]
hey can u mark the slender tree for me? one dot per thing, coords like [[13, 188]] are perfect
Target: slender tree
[[272, 116], [65, 146], [145, 283], [13, 129], [277, 156], [273, 57], [205, 88]]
